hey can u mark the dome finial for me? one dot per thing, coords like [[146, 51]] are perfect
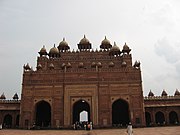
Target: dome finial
[[63, 46], [105, 44], [126, 49], [115, 50], [54, 45], [84, 44], [43, 52]]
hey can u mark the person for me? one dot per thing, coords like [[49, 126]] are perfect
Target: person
[[0, 126], [129, 129], [90, 125]]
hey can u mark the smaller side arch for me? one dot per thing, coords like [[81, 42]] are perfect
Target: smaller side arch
[[120, 113], [173, 118], [7, 121], [43, 114], [160, 119], [148, 119]]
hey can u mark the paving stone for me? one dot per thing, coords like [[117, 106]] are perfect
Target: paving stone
[[137, 131]]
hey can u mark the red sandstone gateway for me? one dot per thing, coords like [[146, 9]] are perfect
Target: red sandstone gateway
[[102, 82]]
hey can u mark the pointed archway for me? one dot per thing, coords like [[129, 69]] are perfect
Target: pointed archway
[[120, 112], [160, 119], [83, 116], [148, 118], [78, 108], [173, 118], [7, 122], [43, 114]]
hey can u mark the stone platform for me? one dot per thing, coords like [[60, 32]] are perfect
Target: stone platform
[[137, 131]]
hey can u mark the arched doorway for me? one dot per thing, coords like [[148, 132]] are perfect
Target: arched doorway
[[148, 118], [79, 108], [173, 118], [17, 121], [43, 114], [7, 122], [120, 113], [83, 116], [160, 119]]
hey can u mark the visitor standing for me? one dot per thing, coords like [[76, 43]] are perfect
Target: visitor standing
[[129, 129], [0, 126]]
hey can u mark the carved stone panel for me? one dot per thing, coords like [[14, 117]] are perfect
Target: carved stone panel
[[76, 92]]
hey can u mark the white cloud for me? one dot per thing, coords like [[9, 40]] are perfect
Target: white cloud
[[27, 25], [164, 48]]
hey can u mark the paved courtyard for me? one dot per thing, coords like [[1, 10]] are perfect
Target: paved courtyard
[[137, 131]]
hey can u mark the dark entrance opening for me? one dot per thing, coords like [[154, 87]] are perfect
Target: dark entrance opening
[[43, 114], [120, 113], [173, 118], [79, 107], [148, 119], [17, 121], [7, 122], [160, 119]]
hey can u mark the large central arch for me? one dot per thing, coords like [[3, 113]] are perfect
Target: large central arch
[[120, 112], [43, 114], [79, 107]]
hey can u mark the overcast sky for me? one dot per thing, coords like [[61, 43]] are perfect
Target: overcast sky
[[151, 28]]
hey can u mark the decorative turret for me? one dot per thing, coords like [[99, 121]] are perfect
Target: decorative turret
[[99, 65], [43, 52], [151, 94], [93, 64], [126, 49], [114, 50], [51, 66], [27, 67], [63, 46], [84, 44], [137, 64], [54, 52], [63, 66], [3, 97], [39, 66], [15, 97], [111, 64], [81, 65], [69, 65], [124, 64], [105, 44], [177, 93], [164, 93]]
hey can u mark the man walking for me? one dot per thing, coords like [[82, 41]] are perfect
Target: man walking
[[129, 129]]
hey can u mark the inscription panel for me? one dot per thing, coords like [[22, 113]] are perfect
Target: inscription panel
[[28, 92], [42, 92], [136, 102], [118, 89]]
